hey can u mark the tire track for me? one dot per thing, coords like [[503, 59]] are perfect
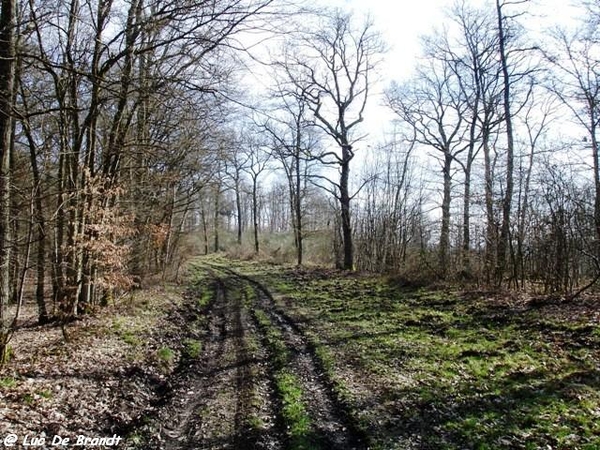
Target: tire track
[[331, 420], [213, 404], [178, 426]]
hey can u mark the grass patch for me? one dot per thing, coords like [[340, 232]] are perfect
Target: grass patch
[[293, 411], [131, 339], [45, 393], [8, 382], [447, 370], [289, 390], [192, 348], [274, 339], [204, 298], [166, 358]]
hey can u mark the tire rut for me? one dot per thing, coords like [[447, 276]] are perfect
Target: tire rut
[[194, 392], [331, 420], [212, 406]]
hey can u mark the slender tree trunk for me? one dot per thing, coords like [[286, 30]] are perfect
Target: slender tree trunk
[[23, 273], [503, 243], [7, 82], [255, 213], [59, 278], [40, 265], [16, 236], [466, 244], [238, 206], [216, 218], [523, 208], [298, 208], [490, 234], [166, 250], [204, 228], [466, 250], [596, 158], [40, 229]]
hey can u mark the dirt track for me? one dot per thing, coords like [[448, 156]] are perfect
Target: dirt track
[[228, 398]]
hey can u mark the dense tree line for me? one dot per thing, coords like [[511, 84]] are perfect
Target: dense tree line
[[488, 104], [128, 142], [109, 112]]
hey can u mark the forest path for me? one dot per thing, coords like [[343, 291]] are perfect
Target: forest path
[[257, 383]]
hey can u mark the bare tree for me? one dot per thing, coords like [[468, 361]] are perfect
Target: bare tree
[[294, 144], [473, 61], [536, 118], [513, 70], [235, 163], [388, 206], [435, 107], [258, 159], [332, 68], [577, 85]]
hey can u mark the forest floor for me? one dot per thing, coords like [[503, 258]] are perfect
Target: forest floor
[[255, 356]]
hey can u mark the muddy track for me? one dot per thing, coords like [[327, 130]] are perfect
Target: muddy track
[[228, 398], [223, 400], [331, 419]]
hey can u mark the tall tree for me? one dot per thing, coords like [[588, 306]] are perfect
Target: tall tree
[[235, 163], [7, 85], [332, 67], [113, 69], [258, 159], [435, 107], [577, 84], [294, 142], [474, 63], [506, 38]]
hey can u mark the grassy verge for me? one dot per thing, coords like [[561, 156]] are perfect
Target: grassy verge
[[447, 370]]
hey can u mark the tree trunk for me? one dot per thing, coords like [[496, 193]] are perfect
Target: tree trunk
[[503, 243], [216, 218], [596, 158], [466, 250], [298, 208], [7, 80], [238, 206], [204, 228], [466, 244], [255, 214], [40, 263], [445, 230], [348, 263], [490, 234]]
